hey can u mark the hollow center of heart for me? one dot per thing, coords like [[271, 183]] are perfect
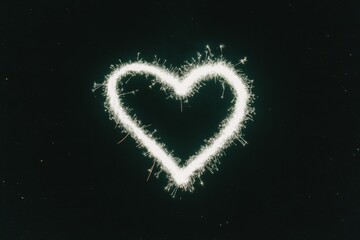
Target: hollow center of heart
[[182, 126]]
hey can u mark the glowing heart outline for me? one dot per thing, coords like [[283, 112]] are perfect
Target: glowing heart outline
[[184, 87]]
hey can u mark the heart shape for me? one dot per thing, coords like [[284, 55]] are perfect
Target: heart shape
[[182, 177]]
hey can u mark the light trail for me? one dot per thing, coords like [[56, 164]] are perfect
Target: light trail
[[184, 176]]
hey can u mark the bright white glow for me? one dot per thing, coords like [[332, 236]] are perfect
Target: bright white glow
[[181, 176]]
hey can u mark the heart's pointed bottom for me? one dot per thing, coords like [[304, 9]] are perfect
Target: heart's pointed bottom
[[181, 178]]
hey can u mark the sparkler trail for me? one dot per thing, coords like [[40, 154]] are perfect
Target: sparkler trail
[[183, 88]]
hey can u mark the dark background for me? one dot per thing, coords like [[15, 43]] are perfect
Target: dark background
[[63, 175]]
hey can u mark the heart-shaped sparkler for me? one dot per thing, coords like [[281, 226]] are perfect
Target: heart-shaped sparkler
[[181, 88]]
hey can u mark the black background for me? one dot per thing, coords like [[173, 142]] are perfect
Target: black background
[[63, 175]]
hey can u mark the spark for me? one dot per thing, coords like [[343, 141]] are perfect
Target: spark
[[150, 171], [138, 56], [173, 193], [123, 138], [222, 46], [96, 86], [223, 89], [244, 60], [127, 93], [128, 80], [193, 77], [198, 57]]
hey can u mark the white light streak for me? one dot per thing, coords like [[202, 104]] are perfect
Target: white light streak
[[182, 176], [243, 60]]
